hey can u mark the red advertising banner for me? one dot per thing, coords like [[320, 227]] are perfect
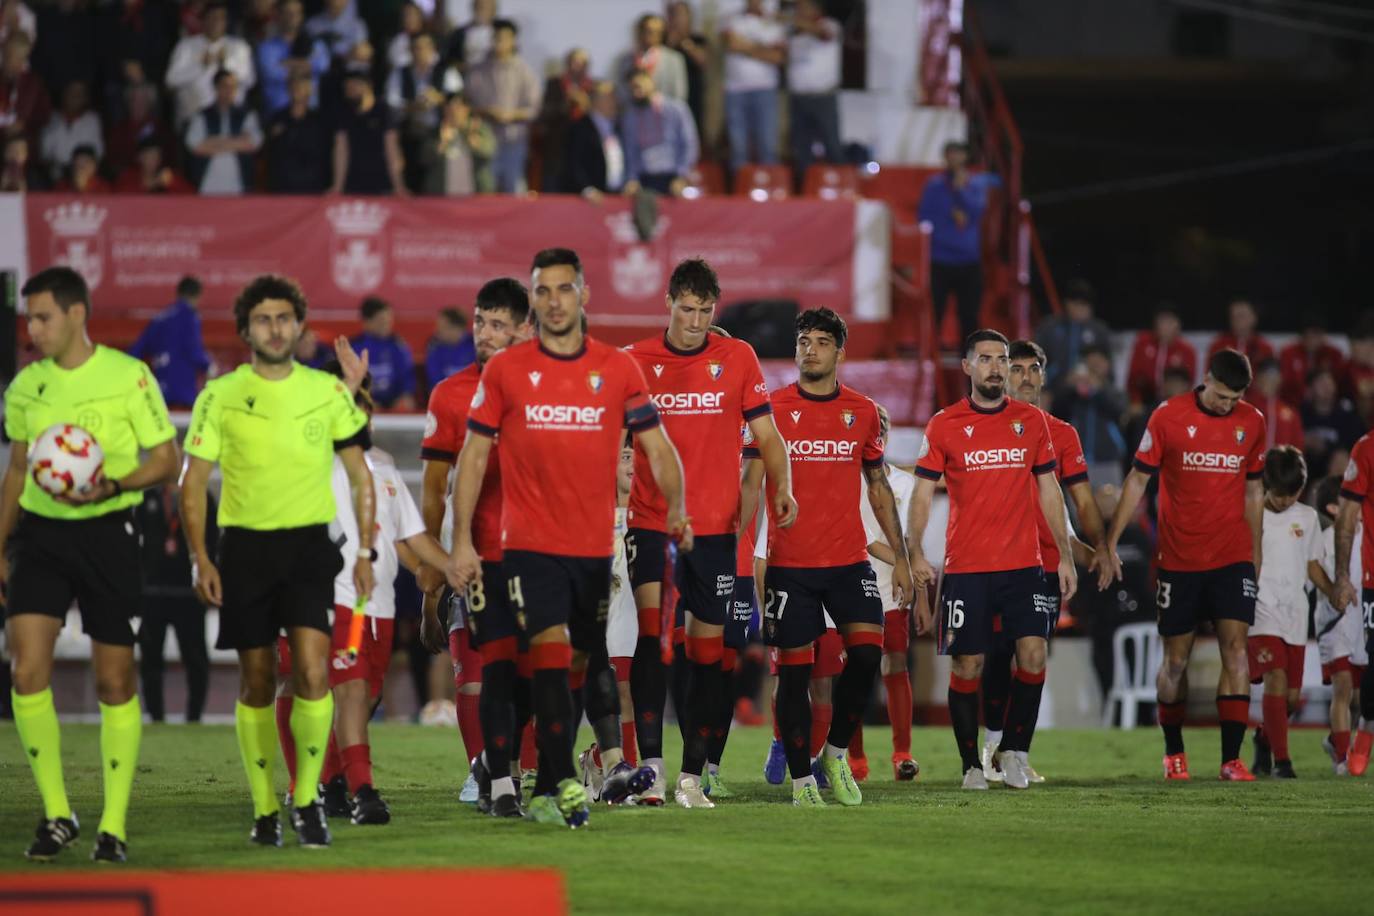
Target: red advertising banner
[[425, 254]]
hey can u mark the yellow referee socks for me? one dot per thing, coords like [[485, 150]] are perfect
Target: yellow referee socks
[[311, 721], [121, 727], [35, 717], [256, 727]]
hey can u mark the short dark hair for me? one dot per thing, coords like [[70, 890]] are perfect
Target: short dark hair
[[85, 149], [1167, 308], [66, 286], [1267, 364], [981, 335], [697, 277], [823, 319], [262, 288], [498, 25], [188, 287], [1231, 368], [553, 257], [454, 316], [1285, 470], [1095, 349], [1080, 290], [1027, 349], [220, 75], [959, 145], [372, 307], [1327, 492], [505, 293]]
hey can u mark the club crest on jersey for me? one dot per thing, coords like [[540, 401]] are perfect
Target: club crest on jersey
[[595, 381], [796, 416], [658, 370], [1018, 427], [1240, 434], [535, 377], [847, 418], [714, 369], [1192, 431], [968, 431]]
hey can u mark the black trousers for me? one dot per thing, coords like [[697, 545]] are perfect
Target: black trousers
[[965, 282], [186, 617]]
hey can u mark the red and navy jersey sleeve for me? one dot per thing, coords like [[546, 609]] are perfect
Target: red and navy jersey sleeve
[[931, 464], [1150, 455], [489, 401], [873, 439], [640, 413], [1355, 484], [445, 426], [1044, 450], [1073, 465], [1254, 461], [753, 389]]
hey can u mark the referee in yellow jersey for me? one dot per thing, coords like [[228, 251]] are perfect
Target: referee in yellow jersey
[[273, 427], [78, 547]]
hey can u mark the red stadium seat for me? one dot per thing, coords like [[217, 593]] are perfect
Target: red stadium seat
[[763, 182], [831, 182], [899, 185], [705, 179]]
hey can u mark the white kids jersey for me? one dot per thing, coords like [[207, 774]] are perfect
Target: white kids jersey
[[903, 484], [1291, 539], [1340, 634], [397, 519], [622, 621]]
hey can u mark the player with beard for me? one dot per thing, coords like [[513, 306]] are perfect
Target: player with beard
[[997, 457], [273, 426]]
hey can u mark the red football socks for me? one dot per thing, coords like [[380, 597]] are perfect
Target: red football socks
[[898, 686], [1276, 724], [470, 723], [821, 714], [357, 763]]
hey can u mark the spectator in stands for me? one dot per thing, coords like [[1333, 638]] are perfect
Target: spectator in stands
[[388, 357], [16, 17], [332, 99], [223, 141], [197, 59], [472, 41], [416, 94], [257, 19], [659, 138], [695, 51], [1156, 351], [173, 346], [503, 90], [451, 349], [74, 125], [1067, 337], [288, 52], [412, 23], [140, 122], [169, 600], [83, 173], [1242, 319], [813, 79], [310, 352], [20, 172], [136, 41], [1087, 396], [954, 202], [650, 54], [594, 162], [1282, 422], [367, 150], [566, 100], [1330, 422], [1310, 351], [24, 102], [755, 48], [338, 26], [457, 155], [1177, 380], [299, 145], [150, 174], [1358, 383]]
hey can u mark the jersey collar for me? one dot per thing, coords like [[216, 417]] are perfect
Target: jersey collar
[[1197, 398], [806, 395], [566, 357], [989, 410], [678, 351]]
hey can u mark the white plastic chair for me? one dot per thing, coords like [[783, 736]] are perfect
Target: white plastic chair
[[1137, 652]]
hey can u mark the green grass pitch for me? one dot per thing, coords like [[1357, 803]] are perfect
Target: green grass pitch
[[1105, 834]]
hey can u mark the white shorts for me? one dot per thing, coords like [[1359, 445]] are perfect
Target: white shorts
[[1344, 639], [622, 621]]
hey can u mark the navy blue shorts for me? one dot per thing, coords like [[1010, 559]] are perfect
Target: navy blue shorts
[[796, 600], [971, 602], [546, 590], [705, 575], [1186, 599], [488, 611], [741, 615]]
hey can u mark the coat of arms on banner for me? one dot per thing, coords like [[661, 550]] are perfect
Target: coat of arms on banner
[[636, 268], [77, 241], [357, 252]]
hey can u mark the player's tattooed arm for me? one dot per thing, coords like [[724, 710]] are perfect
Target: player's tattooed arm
[[884, 505], [1347, 519], [773, 450], [13, 485], [204, 575], [464, 566], [918, 516], [1254, 517]]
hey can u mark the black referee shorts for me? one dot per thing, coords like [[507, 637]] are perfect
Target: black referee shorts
[[93, 561], [275, 580]]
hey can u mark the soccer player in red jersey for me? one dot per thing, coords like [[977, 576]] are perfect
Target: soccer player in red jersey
[[1026, 378], [1357, 508], [990, 448], [559, 405], [821, 563], [500, 319], [704, 386], [1207, 446]]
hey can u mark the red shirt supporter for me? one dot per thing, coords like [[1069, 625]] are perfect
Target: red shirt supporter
[[1204, 460], [1070, 467], [986, 456], [566, 413], [701, 396], [1253, 346], [1295, 362], [829, 440], [1283, 422], [445, 428], [1149, 359]]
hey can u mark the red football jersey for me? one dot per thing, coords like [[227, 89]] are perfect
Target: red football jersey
[[561, 421], [1071, 468], [1358, 484], [1204, 460], [829, 441], [446, 427], [701, 396], [989, 458]]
